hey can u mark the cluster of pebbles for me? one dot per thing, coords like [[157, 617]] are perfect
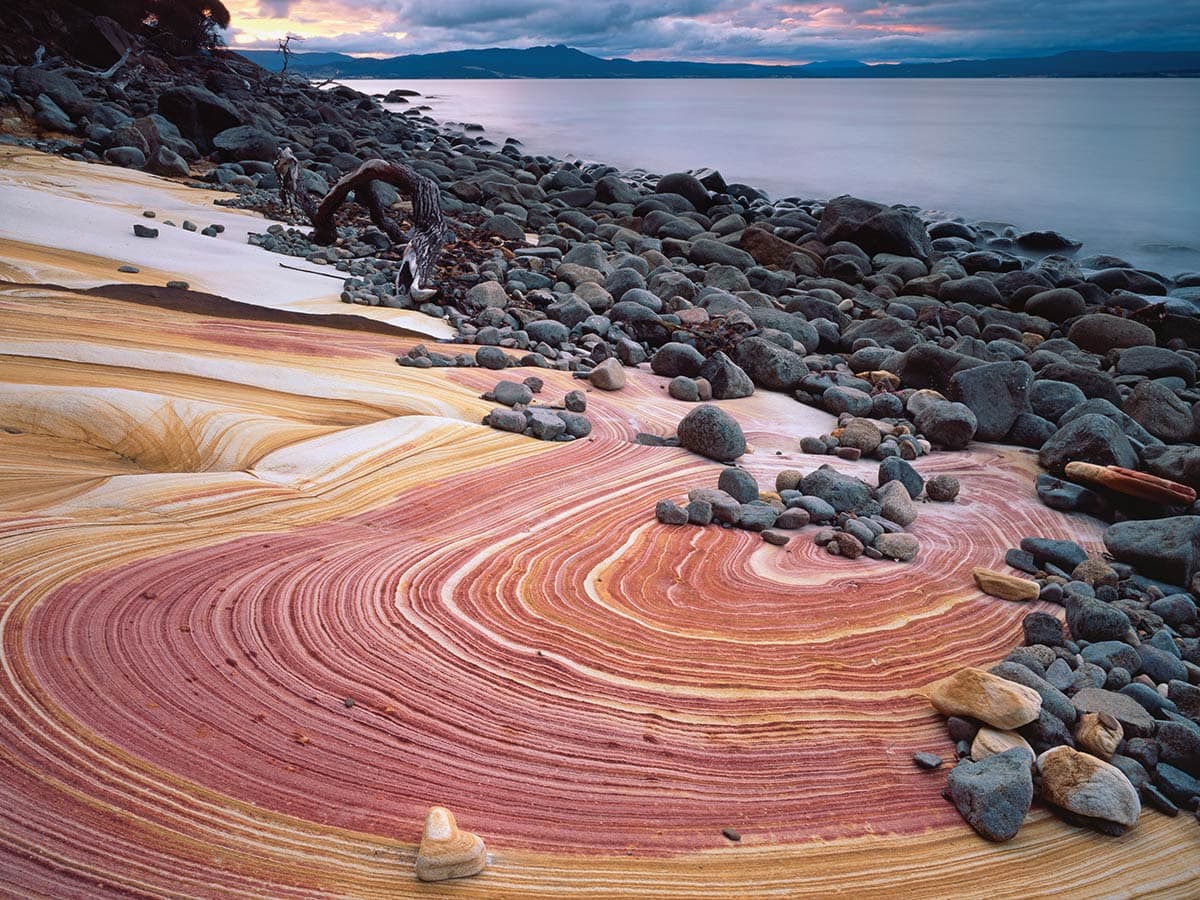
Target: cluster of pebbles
[[1095, 719], [147, 231], [856, 520], [856, 437], [518, 414]]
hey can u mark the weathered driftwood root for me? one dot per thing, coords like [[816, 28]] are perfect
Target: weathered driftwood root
[[287, 173], [1133, 483], [422, 244]]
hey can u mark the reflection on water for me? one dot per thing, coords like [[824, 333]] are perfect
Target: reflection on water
[[1112, 162]]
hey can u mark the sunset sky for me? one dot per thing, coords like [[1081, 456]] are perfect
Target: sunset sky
[[723, 30]]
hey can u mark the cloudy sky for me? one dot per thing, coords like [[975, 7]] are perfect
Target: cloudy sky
[[724, 30]]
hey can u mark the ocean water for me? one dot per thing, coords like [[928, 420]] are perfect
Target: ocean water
[[1112, 162]]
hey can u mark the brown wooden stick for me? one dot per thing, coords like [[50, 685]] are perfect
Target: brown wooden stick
[[1132, 483]]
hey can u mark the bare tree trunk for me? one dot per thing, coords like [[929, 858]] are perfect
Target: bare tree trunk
[[424, 241]]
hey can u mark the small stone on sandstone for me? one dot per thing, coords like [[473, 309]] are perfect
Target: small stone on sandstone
[[942, 488], [778, 538], [927, 760], [901, 546], [608, 376], [1006, 587], [972, 692], [670, 513], [575, 401]]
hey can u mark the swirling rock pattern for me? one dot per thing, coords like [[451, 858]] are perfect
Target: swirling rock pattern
[[268, 597]]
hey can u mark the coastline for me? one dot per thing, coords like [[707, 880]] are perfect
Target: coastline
[[994, 150], [512, 627]]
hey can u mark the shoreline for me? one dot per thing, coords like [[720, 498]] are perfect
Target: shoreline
[[1034, 187]]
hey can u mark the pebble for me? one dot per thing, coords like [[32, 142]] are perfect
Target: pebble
[[926, 760], [710, 431], [813, 445], [994, 794], [491, 358], [895, 469], [1135, 720], [574, 401], [788, 480], [144, 231], [1001, 703], [545, 425], [990, 741], [1088, 786], [683, 388], [699, 512], [128, 270], [778, 538], [1042, 629], [1099, 734], [1006, 587], [608, 376], [738, 483], [942, 488], [792, 519], [506, 420], [896, 504], [1159, 801], [670, 513], [512, 393], [848, 545], [901, 547]]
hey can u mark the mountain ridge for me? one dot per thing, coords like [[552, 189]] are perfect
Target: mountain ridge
[[561, 61]]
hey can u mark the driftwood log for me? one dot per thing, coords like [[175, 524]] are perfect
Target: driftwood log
[[422, 243]]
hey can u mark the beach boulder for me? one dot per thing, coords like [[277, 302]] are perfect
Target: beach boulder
[[712, 432], [874, 227], [32, 83], [685, 185], [246, 142], [198, 113]]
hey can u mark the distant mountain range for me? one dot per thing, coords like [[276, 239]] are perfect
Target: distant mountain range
[[560, 61]]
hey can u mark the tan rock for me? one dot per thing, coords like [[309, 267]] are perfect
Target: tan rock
[[788, 480], [860, 433], [990, 741], [1095, 572], [1006, 587], [889, 380], [896, 504], [1098, 734], [608, 376], [1088, 786], [445, 851], [1001, 703]]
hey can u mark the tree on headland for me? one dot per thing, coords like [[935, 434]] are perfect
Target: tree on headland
[[178, 26], [189, 24]]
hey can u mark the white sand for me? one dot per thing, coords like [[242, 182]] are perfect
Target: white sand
[[49, 202]]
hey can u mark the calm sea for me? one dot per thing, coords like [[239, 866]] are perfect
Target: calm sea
[[1112, 162]]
